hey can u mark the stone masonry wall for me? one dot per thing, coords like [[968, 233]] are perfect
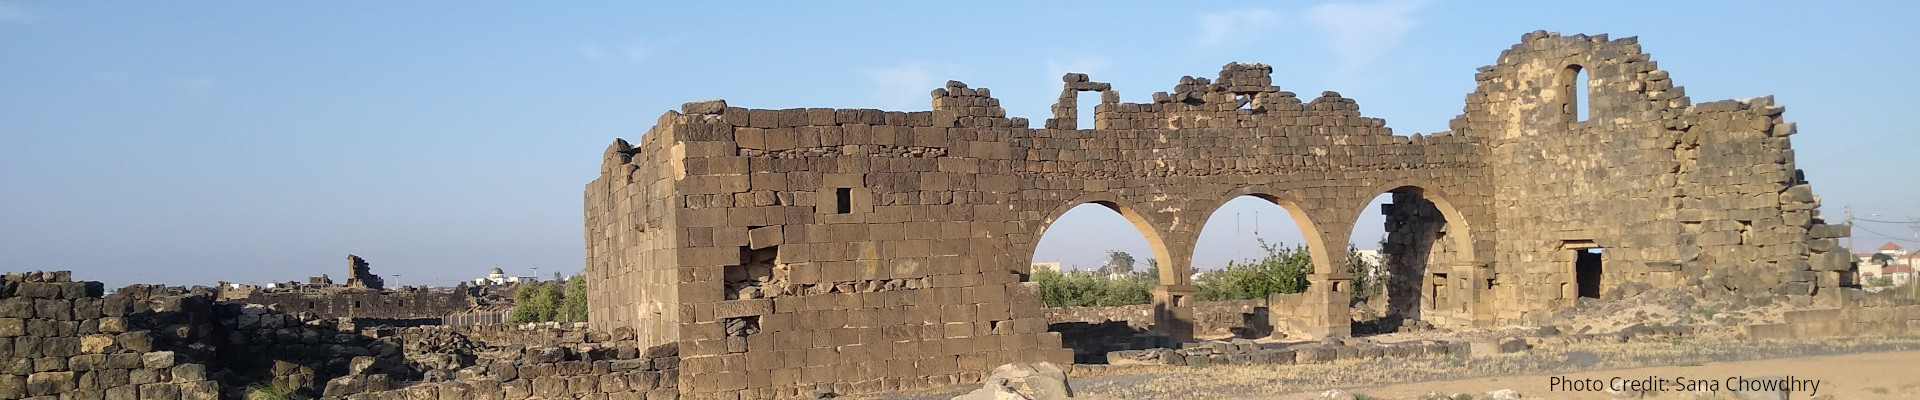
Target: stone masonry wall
[[910, 229], [65, 339], [1420, 251], [1673, 192], [768, 243], [1210, 318], [632, 233], [407, 302], [62, 339]]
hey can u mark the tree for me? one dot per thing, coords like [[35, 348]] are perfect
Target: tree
[[574, 305], [556, 300], [1880, 281], [1367, 280], [1090, 289], [1282, 270], [1881, 258], [1118, 262]]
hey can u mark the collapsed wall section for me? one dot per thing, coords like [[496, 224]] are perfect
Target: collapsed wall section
[[632, 216], [405, 303], [846, 248]]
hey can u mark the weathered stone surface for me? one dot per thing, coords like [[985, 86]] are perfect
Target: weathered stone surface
[[1036, 381], [992, 392], [714, 106], [860, 212]]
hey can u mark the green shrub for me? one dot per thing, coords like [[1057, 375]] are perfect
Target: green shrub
[[1283, 270], [1087, 289], [573, 306], [270, 391], [552, 301], [1365, 283]]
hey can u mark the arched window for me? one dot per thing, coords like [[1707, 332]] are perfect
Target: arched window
[[1574, 84]]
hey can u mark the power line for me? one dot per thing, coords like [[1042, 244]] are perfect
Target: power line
[[1885, 222], [1883, 235]]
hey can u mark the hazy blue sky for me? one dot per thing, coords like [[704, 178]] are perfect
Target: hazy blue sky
[[187, 142]]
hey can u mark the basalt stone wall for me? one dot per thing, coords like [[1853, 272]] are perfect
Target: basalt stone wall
[[1675, 193], [1420, 254], [531, 334], [408, 302], [63, 339], [1229, 317], [603, 370], [836, 238], [772, 242], [633, 232]]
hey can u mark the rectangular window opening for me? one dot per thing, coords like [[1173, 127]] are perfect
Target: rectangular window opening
[[1084, 109], [843, 200]]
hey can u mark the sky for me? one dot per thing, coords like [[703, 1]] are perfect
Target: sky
[[193, 142]]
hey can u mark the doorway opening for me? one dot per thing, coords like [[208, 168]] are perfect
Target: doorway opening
[[1587, 270]]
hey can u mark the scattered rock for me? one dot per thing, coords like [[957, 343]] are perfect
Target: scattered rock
[[1337, 394], [991, 392], [1503, 394]]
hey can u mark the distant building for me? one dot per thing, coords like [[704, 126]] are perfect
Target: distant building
[[1371, 257], [1888, 261], [1374, 262], [499, 277], [1046, 266]]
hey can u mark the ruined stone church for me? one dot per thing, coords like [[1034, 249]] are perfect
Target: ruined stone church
[[778, 246]]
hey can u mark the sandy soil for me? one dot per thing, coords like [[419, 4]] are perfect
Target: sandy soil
[[1848, 368], [1855, 376]]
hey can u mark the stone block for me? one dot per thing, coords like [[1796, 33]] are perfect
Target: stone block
[[51, 383], [200, 390], [715, 106], [157, 360], [764, 237], [10, 327]]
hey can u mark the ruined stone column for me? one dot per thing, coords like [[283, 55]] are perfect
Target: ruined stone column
[[1173, 311], [1470, 286], [1328, 310]]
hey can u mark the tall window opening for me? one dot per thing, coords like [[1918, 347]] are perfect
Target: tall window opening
[[843, 200], [1083, 103], [1575, 85]]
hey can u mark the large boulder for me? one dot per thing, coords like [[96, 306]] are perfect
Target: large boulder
[[992, 392], [1036, 381], [1023, 381], [1503, 394]]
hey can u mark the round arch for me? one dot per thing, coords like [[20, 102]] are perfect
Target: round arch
[[1111, 201], [1309, 230], [1463, 240]]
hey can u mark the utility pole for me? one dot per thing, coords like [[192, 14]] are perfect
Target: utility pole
[[1851, 257], [1913, 275]]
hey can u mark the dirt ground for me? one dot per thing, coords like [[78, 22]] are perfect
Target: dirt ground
[[1890, 375], [1847, 368]]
